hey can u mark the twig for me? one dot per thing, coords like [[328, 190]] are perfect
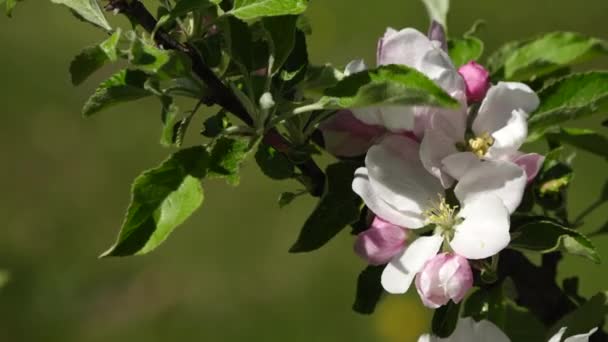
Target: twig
[[220, 94]]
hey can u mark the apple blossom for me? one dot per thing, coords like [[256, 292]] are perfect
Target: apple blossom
[[476, 80], [380, 242], [395, 185], [445, 277], [499, 129], [485, 331]]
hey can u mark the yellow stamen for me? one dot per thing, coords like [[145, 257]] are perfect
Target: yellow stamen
[[441, 214], [481, 144]]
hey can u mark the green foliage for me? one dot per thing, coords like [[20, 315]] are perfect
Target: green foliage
[[386, 85], [251, 9], [369, 290], [9, 6], [282, 32], [150, 59], [572, 97], [226, 156], [215, 125], [584, 139], [286, 198], [337, 208], [88, 10], [547, 236], [93, 58], [438, 10], [273, 163], [445, 319], [534, 58], [588, 316], [464, 50], [169, 116], [5, 277], [126, 85], [162, 198]]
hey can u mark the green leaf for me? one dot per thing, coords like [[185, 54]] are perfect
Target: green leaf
[[496, 61], [584, 139], [215, 125], [319, 78], [572, 97], [282, 31], [88, 10], [273, 163], [239, 41], [464, 50], [125, 86], [286, 198], [445, 319], [251, 9], [369, 290], [550, 52], [588, 316], [10, 7], [162, 198], [169, 113], [337, 208], [295, 68], [183, 7], [546, 237], [227, 154], [93, 58], [165, 64], [389, 85], [486, 303], [438, 10], [521, 325]]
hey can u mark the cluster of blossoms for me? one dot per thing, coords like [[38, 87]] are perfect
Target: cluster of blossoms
[[458, 171]]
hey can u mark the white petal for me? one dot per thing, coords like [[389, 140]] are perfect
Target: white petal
[[394, 118], [437, 65], [500, 101], [509, 138], [501, 178], [558, 337], [428, 338], [453, 123], [485, 229], [581, 337], [363, 188], [406, 47], [436, 146], [354, 67], [457, 164], [400, 272], [486, 331], [398, 177]]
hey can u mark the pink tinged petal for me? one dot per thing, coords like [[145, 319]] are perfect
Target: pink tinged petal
[[485, 229], [476, 80], [380, 242], [500, 102], [400, 272], [509, 138], [500, 178], [399, 179], [346, 136], [437, 65], [531, 163], [445, 277], [458, 164], [395, 118], [363, 188], [581, 337], [406, 47], [354, 67], [434, 148], [437, 33]]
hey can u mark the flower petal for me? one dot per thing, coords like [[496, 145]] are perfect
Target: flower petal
[[380, 242], [485, 229], [406, 47], [436, 146], [363, 188], [354, 67], [457, 164], [581, 337], [400, 272], [346, 136], [393, 118], [501, 100], [531, 163], [509, 138], [398, 177], [500, 178]]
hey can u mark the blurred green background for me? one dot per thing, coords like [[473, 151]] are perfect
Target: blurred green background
[[226, 274]]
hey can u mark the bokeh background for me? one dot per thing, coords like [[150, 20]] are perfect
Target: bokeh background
[[225, 275]]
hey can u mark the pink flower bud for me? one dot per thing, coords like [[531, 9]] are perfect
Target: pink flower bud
[[380, 242], [476, 79], [446, 276]]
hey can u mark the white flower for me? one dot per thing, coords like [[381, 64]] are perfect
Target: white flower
[[467, 330], [395, 186], [411, 48], [499, 129]]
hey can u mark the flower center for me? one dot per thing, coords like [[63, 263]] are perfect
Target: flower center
[[441, 214], [481, 144]]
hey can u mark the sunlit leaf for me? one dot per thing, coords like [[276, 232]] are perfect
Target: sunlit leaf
[[93, 58], [88, 10], [125, 86], [251, 9]]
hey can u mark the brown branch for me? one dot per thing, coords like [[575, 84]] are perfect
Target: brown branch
[[220, 94]]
